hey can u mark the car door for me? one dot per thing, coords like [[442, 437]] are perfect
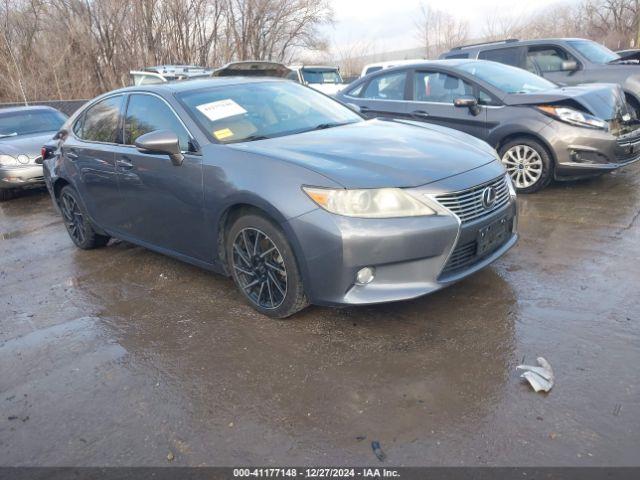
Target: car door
[[89, 150], [163, 202], [550, 62], [384, 95], [433, 95]]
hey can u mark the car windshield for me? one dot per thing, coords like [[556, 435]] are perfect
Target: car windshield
[[506, 78], [14, 124], [321, 75], [255, 111], [594, 52]]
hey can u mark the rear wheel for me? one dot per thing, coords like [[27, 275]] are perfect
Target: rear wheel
[[264, 267], [528, 164], [77, 222]]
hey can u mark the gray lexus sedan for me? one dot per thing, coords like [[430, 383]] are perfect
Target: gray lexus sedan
[[23, 131], [294, 195]]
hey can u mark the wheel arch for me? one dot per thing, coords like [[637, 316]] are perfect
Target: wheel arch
[[58, 185], [251, 204], [532, 136]]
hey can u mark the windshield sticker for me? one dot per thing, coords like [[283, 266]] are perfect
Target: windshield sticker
[[221, 109], [223, 133]]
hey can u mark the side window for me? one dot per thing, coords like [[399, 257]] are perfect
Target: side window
[[293, 75], [355, 92], [146, 113], [386, 87], [439, 87], [509, 56], [547, 58], [485, 99], [101, 121]]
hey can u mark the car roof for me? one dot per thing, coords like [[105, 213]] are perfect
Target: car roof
[[511, 43], [27, 108], [196, 84]]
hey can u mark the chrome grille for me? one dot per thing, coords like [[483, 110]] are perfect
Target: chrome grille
[[467, 204]]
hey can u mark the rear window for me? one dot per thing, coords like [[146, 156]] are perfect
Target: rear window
[[30, 122]]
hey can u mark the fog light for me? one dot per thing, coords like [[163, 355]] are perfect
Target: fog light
[[365, 275]]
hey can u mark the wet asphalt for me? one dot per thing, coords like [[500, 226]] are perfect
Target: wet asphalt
[[120, 356]]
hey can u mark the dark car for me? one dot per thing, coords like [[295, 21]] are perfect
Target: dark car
[[294, 195], [569, 61], [23, 131], [540, 130]]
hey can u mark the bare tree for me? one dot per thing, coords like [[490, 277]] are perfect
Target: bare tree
[[79, 48], [439, 31]]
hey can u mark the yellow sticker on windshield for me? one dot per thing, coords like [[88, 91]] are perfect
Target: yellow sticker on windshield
[[223, 133]]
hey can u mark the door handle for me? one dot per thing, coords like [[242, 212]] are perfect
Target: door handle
[[419, 114], [124, 164], [364, 109], [71, 155]]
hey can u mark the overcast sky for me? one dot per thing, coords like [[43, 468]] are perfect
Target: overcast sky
[[390, 24]]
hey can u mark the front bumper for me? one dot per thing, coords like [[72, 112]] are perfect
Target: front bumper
[[18, 177], [409, 254], [582, 152]]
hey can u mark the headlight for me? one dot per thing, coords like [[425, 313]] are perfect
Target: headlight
[[369, 203], [574, 117], [8, 161]]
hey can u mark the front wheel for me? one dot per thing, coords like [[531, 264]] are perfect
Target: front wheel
[[528, 164], [264, 267]]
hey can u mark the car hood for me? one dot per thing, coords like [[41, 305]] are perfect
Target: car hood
[[604, 100], [29, 145], [379, 153]]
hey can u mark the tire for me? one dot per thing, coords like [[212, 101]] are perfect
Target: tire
[[77, 222], [264, 267], [528, 163], [6, 194]]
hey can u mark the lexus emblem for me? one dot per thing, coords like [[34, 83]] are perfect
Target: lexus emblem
[[488, 197]]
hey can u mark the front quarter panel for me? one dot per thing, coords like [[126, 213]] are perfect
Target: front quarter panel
[[234, 177], [508, 120]]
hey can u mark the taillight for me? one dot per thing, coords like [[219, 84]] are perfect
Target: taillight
[[43, 153]]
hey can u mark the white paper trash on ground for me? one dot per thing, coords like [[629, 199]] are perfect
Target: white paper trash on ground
[[541, 378]]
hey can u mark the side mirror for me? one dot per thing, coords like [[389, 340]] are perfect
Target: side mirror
[[354, 107], [161, 141], [469, 102], [569, 66]]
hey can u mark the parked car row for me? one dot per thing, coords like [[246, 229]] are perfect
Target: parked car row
[[324, 78], [401, 185], [541, 131]]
